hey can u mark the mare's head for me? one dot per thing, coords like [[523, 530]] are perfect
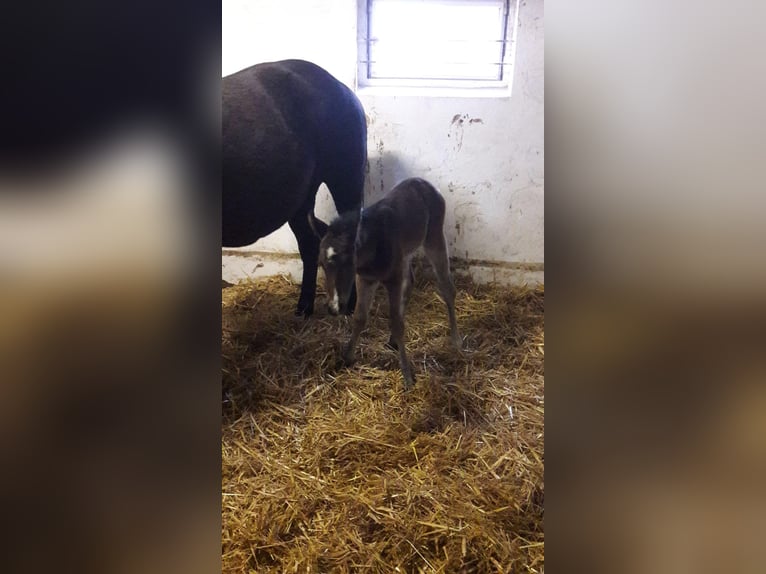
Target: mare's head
[[336, 258]]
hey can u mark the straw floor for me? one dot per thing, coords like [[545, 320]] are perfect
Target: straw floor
[[335, 469]]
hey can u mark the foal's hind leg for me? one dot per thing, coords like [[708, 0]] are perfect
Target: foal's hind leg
[[395, 290], [410, 283], [365, 294], [436, 251], [407, 281]]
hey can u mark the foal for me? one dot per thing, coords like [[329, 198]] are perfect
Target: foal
[[387, 235]]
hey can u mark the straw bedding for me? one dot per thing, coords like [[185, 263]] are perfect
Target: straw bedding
[[335, 469]]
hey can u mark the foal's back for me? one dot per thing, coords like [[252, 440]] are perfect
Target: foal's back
[[418, 212]]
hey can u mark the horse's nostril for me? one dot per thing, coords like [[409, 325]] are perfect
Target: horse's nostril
[[332, 310]]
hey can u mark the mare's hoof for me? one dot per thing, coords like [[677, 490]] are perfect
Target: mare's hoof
[[305, 309], [391, 344]]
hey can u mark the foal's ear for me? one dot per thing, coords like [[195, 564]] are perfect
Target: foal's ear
[[318, 226]]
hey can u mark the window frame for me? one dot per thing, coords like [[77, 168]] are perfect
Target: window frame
[[502, 86]]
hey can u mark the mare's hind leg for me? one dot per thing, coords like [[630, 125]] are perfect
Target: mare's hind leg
[[436, 251], [308, 246], [366, 293], [396, 289]]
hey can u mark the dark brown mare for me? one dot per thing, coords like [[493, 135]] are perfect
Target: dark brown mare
[[288, 127], [380, 242]]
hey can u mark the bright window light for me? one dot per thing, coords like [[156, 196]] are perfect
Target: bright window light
[[462, 40]]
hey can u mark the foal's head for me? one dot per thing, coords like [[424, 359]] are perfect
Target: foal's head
[[336, 257]]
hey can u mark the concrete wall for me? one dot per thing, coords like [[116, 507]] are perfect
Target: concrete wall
[[484, 153]]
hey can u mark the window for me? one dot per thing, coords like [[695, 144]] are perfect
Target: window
[[456, 43]]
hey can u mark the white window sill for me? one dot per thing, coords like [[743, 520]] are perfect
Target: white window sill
[[435, 91]]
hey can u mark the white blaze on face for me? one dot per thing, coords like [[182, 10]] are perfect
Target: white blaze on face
[[334, 301], [330, 253]]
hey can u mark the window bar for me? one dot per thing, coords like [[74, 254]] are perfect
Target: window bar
[[368, 39], [506, 16]]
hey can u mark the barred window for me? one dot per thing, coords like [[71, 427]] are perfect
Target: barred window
[[436, 42]]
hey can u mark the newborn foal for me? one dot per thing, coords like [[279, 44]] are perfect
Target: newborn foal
[[387, 235]]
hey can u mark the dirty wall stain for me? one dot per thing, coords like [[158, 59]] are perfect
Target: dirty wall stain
[[457, 129]]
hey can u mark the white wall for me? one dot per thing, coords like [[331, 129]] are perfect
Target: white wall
[[490, 169]]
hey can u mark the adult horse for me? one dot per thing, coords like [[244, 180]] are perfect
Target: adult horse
[[289, 126]]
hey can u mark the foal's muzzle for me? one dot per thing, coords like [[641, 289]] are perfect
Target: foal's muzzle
[[333, 304]]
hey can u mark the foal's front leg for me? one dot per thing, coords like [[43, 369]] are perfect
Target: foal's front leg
[[365, 292], [396, 317]]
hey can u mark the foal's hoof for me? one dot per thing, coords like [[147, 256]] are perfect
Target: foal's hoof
[[458, 343], [391, 344], [408, 376], [348, 357]]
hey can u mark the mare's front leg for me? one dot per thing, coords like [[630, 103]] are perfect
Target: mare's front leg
[[308, 246], [396, 289], [365, 290]]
